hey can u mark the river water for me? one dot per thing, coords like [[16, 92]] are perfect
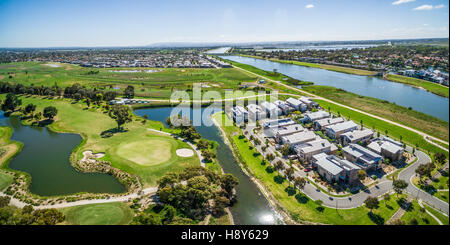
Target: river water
[[401, 94], [252, 208], [45, 156]]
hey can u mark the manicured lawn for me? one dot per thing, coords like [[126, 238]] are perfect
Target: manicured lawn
[[299, 206], [381, 126], [5, 180], [414, 212], [444, 219], [115, 213], [90, 123], [434, 187], [430, 86]]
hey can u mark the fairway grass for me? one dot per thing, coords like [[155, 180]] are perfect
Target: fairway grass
[[90, 123], [149, 152], [115, 213]]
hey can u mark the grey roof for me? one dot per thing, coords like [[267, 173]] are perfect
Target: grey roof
[[293, 101], [317, 115], [300, 137], [388, 146], [289, 129], [329, 121], [313, 146], [342, 126], [361, 153], [279, 122], [356, 135], [329, 166]]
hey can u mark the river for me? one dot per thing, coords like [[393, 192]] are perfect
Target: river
[[252, 208], [401, 94], [45, 156]]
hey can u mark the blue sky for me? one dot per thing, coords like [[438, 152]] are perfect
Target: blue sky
[[57, 23]]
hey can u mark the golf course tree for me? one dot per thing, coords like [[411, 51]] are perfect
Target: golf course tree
[[50, 112], [371, 203], [11, 215], [30, 108], [129, 92], [193, 193], [399, 186], [11, 102], [120, 114]]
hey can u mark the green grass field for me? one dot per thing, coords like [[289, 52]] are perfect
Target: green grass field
[[90, 123], [444, 219], [414, 212], [321, 66], [300, 207], [152, 85], [115, 213], [430, 86], [5, 180]]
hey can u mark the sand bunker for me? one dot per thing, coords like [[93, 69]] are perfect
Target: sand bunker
[[185, 152]]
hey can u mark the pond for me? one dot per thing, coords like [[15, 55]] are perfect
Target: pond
[[45, 156], [252, 208]]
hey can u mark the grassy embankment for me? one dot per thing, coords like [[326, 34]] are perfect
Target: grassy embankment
[[147, 84], [411, 118], [299, 206], [115, 213], [415, 212], [8, 149], [342, 69], [444, 219], [90, 123], [437, 188], [429, 86], [374, 105]]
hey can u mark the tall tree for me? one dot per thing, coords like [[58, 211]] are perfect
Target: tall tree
[[129, 92], [11, 102], [50, 112], [121, 114], [372, 203], [399, 186]]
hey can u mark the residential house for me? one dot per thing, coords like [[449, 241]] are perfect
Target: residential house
[[240, 114], [365, 158], [271, 109], [335, 169], [255, 112], [279, 132], [297, 104], [388, 148], [285, 107], [322, 123], [356, 136], [278, 122], [298, 138], [314, 116], [308, 102], [307, 150], [335, 131]]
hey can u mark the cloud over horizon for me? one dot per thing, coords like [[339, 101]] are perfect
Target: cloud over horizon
[[402, 1], [309, 6], [429, 7]]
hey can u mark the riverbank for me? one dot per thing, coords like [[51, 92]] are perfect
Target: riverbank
[[420, 121], [342, 69], [419, 83]]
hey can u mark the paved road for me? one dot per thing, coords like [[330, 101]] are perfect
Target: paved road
[[358, 199], [409, 172]]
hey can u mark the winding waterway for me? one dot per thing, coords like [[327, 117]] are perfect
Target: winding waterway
[[45, 156], [252, 208], [401, 94]]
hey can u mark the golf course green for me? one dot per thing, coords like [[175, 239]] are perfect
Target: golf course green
[[114, 213]]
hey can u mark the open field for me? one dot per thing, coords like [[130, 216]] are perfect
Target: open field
[[414, 119], [430, 86], [415, 212], [115, 213], [321, 66], [90, 123], [147, 84], [299, 206], [381, 126]]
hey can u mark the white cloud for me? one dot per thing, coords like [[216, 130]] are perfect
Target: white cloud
[[429, 7], [402, 1], [309, 6]]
